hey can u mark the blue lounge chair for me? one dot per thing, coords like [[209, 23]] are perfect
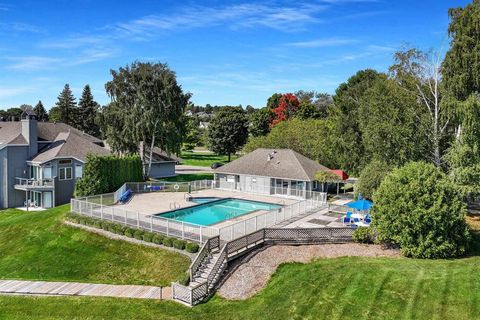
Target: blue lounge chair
[[156, 188], [368, 219], [125, 196], [347, 219]]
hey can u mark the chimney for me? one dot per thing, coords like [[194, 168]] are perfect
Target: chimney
[[30, 132]]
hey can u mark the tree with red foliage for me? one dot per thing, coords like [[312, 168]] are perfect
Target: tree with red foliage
[[287, 106]]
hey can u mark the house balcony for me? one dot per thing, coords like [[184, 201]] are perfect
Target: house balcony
[[33, 184]]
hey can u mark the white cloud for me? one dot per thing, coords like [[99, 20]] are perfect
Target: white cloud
[[286, 18], [29, 63], [327, 42], [14, 91]]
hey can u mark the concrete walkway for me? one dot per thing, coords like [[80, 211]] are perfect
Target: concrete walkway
[[18, 287]]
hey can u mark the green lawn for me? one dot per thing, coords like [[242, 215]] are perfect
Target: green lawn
[[189, 177], [203, 159], [342, 288], [38, 246]]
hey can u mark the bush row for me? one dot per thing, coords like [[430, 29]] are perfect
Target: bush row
[[120, 229], [103, 174]]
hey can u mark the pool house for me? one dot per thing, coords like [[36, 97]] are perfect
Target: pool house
[[281, 172]]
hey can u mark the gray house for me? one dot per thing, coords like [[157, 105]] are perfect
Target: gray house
[[41, 161], [271, 171]]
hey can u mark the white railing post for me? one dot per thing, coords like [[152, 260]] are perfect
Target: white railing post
[[113, 213], [183, 230], [151, 223], [126, 217], [138, 219], [201, 235], [167, 228], [101, 212], [244, 227]]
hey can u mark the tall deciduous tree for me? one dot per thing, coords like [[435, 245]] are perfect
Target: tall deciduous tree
[[145, 112], [344, 114], [260, 122], [273, 101], [87, 113], [66, 105], [420, 73], [40, 111], [287, 106], [461, 67], [228, 131], [390, 129]]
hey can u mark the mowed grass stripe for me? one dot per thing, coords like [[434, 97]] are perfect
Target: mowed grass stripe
[[415, 295]]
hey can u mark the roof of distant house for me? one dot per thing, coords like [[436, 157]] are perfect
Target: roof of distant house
[[276, 163]]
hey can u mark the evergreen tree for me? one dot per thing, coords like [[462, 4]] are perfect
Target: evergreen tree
[[67, 106], [87, 113], [40, 111]]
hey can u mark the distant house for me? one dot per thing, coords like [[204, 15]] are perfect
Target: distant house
[[40, 162], [163, 164], [271, 171]]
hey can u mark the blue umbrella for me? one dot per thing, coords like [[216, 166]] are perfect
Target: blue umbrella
[[360, 204]]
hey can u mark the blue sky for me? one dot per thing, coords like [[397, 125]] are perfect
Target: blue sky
[[224, 52]]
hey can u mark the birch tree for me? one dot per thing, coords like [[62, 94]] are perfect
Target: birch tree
[[146, 111], [421, 74]]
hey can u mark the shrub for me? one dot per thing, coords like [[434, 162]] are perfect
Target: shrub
[[192, 247], [103, 174], [179, 244], [105, 225], [167, 242], [129, 232], [120, 229], [419, 209], [371, 177], [364, 235], [158, 239], [148, 236], [138, 234]]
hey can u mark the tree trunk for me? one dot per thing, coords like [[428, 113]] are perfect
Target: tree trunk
[[152, 145]]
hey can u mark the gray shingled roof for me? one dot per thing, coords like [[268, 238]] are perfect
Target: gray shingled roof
[[10, 132], [284, 163], [47, 131], [69, 145]]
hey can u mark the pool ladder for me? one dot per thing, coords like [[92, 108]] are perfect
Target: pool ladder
[[175, 205]]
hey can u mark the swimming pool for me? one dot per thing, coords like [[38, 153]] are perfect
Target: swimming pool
[[217, 211]]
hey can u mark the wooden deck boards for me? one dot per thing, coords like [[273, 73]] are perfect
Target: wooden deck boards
[[79, 289]]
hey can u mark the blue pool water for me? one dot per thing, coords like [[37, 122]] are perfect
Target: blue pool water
[[204, 199], [217, 211]]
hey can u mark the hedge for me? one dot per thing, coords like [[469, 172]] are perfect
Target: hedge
[[104, 174], [146, 236]]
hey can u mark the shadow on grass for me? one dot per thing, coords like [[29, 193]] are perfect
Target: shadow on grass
[[474, 223]]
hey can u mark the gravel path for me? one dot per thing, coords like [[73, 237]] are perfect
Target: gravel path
[[252, 276]]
